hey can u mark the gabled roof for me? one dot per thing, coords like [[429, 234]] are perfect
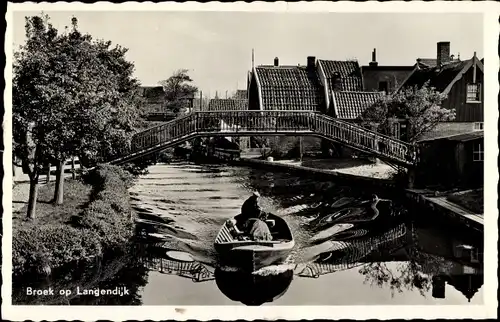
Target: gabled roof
[[350, 105], [227, 104], [442, 79], [289, 88], [349, 71]]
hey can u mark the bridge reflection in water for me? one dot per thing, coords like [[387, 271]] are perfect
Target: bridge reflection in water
[[421, 268]]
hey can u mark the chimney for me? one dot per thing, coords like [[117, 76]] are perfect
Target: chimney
[[336, 81], [443, 53], [374, 63], [311, 62], [276, 61]]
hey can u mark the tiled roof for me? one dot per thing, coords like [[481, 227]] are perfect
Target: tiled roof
[[350, 105], [289, 88], [228, 104], [240, 94], [349, 71], [439, 78]]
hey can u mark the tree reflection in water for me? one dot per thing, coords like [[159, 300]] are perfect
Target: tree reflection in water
[[119, 271]]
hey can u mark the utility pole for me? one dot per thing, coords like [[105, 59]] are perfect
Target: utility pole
[[201, 100]]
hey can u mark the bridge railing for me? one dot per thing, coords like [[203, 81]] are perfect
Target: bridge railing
[[253, 122], [365, 139]]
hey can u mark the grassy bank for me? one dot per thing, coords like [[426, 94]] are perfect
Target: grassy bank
[[96, 218]]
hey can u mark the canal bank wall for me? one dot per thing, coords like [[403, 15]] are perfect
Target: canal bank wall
[[438, 205], [350, 179], [424, 200]]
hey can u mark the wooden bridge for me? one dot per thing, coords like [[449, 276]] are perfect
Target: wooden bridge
[[272, 123]]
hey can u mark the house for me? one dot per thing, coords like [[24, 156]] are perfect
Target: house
[[279, 87], [461, 81], [290, 88], [329, 86], [456, 160], [229, 104], [383, 78]]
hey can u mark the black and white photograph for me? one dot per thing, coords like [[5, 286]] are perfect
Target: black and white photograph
[[235, 158]]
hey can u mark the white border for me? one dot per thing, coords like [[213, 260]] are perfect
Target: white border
[[491, 31]]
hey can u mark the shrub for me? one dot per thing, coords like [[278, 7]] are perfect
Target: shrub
[[34, 248], [109, 214]]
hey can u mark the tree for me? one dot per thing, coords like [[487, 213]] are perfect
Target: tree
[[71, 96], [421, 107], [178, 89]]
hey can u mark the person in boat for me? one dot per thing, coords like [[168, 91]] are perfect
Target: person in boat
[[249, 209], [252, 220]]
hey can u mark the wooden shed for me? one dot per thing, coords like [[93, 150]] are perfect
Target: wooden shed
[[452, 161]]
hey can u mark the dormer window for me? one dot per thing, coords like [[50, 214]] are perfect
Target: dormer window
[[473, 93]]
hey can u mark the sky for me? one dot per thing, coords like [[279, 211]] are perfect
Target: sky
[[216, 47]]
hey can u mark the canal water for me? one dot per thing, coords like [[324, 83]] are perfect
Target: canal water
[[342, 255]]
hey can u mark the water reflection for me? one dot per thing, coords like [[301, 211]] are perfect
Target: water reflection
[[394, 258], [417, 269], [253, 289]]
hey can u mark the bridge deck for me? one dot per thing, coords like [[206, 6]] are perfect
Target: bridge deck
[[249, 123]]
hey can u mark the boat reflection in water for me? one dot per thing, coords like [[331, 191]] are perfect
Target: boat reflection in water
[[253, 289]]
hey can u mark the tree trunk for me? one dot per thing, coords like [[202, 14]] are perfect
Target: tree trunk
[[59, 191], [32, 197]]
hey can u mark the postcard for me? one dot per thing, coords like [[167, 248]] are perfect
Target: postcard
[[250, 161]]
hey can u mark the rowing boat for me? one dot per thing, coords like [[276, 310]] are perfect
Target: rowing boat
[[252, 255]]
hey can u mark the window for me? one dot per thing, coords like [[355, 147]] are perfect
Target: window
[[383, 87], [478, 126], [473, 93], [478, 152]]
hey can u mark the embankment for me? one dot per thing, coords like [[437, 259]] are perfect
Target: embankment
[[104, 224], [345, 178]]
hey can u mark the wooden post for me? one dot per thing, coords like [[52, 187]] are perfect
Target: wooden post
[[47, 180], [73, 173]]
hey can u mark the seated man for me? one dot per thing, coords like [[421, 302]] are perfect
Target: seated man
[[249, 209], [252, 221], [258, 229]]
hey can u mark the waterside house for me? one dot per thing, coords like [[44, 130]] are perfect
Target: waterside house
[[288, 88], [328, 86], [452, 161], [461, 81]]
